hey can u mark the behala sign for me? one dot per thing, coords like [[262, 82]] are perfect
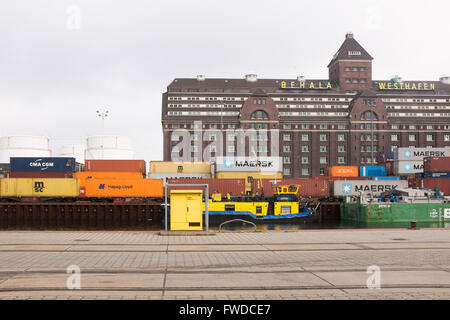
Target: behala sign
[[306, 85], [389, 85]]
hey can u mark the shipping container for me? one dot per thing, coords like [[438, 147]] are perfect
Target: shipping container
[[249, 164], [233, 186], [107, 175], [23, 187], [342, 171], [445, 174], [53, 164], [166, 176], [386, 178], [38, 174], [355, 187], [389, 167], [245, 175], [5, 167], [431, 183], [122, 188], [436, 164], [116, 165], [372, 171], [418, 154], [407, 167], [182, 167]]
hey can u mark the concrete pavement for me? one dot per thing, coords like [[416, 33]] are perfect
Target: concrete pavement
[[307, 264]]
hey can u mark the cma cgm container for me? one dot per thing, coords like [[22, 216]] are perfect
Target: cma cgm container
[[355, 187], [372, 171], [22, 187], [122, 188], [343, 171], [107, 175], [42, 164], [436, 164], [116, 165], [179, 167], [234, 186], [38, 174]]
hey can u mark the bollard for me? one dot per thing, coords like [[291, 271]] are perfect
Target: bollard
[[413, 224]]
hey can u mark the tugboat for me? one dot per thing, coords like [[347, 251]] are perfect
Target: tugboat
[[284, 207]]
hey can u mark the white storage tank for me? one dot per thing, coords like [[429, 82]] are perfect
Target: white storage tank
[[76, 151], [109, 147], [24, 146]]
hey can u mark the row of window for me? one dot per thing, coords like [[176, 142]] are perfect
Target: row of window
[[355, 69], [354, 80], [413, 137], [204, 106], [409, 114], [310, 99], [203, 113], [287, 148], [311, 106], [414, 100], [307, 126], [418, 107], [313, 114], [322, 137]]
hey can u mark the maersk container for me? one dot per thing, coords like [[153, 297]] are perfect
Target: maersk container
[[372, 171], [407, 167], [53, 164], [342, 188], [385, 178], [418, 154]]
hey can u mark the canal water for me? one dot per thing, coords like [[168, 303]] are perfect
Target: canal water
[[324, 225]]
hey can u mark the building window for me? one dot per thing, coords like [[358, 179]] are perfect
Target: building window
[[368, 116], [446, 137], [286, 171], [341, 137], [412, 127], [213, 137], [305, 148], [429, 137], [194, 137], [213, 148], [231, 136], [429, 127], [323, 160], [305, 126], [341, 160], [286, 126], [322, 171], [305, 171], [286, 160], [323, 126], [232, 126], [305, 160], [341, 148], [412, 137], [323, 137], [175, 149], [394, 137], [287, 148], [194, 148], [341, 127], [259, 115], [305, 137], [175, 126], [393, 148], [231, 149], [175, 137], [323, 148], [213, 126], [348, 80], [394, 127], [362, 160], [286, 137]]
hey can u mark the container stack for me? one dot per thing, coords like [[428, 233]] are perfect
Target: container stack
[[52, 167], [436, 174], [179, 170], [411, 160]]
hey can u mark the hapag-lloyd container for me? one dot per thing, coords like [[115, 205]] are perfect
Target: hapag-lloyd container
[[355, 187], [372, 171], [224, 186], [418, 154], [122, 188], [116, 165], [436, 164], [54, 164]]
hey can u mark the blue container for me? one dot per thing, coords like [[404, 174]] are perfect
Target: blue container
[[442, 174], [43, 164], [372, 171], [385, 178]]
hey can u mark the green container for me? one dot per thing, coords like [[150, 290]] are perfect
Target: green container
[[387, 212]]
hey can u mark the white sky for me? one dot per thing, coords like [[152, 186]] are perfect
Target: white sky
[[54, 77]]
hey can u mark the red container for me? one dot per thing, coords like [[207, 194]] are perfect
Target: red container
[[38, 174], [431, 183], [223, 186], [436, 164], [115, 165], [389, 167], [309, 187]]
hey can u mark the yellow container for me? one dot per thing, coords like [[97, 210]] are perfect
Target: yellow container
[[37, 187], [180, 167], [186, 210]]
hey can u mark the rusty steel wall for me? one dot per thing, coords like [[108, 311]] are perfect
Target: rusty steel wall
[[81, 216]]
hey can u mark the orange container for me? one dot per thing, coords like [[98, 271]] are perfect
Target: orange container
[[107, 175], [343, 171], [122, 188]]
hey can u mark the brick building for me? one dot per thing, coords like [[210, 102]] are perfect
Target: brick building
[[347, 119]]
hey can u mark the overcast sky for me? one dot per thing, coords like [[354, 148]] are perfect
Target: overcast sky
[[58, 68]]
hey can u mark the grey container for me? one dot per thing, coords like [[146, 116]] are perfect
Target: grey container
[[407, 167], [342, 188], [417, 154]]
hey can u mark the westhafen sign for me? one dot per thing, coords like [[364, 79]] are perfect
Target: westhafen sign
[[249, 164]]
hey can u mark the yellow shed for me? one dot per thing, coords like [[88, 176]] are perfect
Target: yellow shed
[[186, 210]]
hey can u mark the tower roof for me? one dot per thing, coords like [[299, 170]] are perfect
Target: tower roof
[[351, 50]]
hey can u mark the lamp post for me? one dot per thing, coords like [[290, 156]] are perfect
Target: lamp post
[[102, 114]]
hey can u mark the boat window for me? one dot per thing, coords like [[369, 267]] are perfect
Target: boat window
[[285, 209], [258, 209], [229, 207]]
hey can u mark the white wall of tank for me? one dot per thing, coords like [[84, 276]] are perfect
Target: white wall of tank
[[109, 147], [24, 146]]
